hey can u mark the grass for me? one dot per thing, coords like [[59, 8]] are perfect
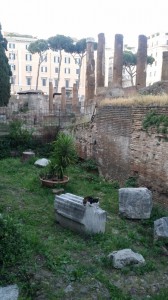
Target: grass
[[44, 259], [138, 100]]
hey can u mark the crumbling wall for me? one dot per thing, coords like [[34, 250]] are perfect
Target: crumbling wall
[[123, 148]]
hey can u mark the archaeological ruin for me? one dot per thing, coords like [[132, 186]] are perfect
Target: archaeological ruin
[[112, 134]]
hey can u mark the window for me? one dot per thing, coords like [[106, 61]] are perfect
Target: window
[[67, 70], [77, 71], [56, 59], [13, 68], [43, 69], [44, 81], [66, 83], [28, 80], [12, 79], [56, 70], [11, 46], [28, 68], [67, 60], [77, 61], [44, 58], [26, 47], [12, 56], [28, 57], [55, 82]]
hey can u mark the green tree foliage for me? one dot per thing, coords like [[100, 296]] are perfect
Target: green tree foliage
[[5, 72], [129, 63], [40, 47], [78, 52], [60, 43]]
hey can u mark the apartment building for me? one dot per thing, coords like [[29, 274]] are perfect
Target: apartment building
[[24, 66], [157, 44]]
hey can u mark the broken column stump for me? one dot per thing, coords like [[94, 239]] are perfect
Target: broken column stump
[[72, 214], [26, 155]]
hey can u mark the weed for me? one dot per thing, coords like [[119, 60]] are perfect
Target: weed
[[160, 122], [13, 246], [163, 295], [131, 182], [141, 270], [89, 165], [115, 292]]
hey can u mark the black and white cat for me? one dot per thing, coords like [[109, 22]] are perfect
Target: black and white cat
[[90, 200]]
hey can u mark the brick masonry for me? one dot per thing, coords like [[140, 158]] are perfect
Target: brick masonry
[[123, 148]]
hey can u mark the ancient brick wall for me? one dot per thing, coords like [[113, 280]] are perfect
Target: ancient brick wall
[[113, 127], [122, 148], [149, 155]]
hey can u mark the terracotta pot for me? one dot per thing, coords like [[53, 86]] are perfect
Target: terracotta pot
[[53, 182]]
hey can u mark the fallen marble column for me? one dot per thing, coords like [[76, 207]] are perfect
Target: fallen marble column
[[71, 213]]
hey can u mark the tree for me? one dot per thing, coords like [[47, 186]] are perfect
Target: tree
[[5, 72], [129, 63], [78, 52], [40, 47], [60, 43]]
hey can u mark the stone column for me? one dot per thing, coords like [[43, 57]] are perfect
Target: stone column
[[63, 99], [118, 61], [164, 75], [50, 96], [141, 62], [75, 98], [101, 60], [90, 71]]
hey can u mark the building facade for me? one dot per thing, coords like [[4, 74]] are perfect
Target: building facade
[[24, 66], [157, 44]]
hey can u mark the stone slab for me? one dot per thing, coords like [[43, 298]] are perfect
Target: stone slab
[[135, 203], [10, 292]]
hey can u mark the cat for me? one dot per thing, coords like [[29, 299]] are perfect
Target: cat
[[90, 200]]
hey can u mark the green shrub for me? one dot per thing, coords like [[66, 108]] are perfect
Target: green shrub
[[13, 246], [4, 148], [160, 122], [19, 137], [89, 165]]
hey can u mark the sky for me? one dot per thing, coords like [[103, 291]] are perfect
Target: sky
[[87, 18]]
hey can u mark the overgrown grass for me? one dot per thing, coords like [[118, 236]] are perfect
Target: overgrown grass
[[138, 100], [43, 258]]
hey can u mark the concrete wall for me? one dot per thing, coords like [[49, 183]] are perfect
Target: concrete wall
[[123, 148]]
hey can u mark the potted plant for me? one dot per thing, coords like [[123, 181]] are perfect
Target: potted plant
[[63, 155]]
